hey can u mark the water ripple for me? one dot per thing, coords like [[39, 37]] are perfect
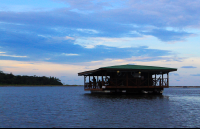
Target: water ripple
[[56, 107]]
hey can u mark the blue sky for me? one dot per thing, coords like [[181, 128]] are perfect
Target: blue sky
[[63, 37]]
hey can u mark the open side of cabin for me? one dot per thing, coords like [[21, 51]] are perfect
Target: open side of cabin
[[127, 79]]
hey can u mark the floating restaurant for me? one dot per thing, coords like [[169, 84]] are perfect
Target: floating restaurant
[[127, 79]]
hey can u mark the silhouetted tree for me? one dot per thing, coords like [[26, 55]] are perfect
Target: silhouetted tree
[[28, 80]]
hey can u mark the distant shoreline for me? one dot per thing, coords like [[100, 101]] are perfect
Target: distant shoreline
[[184, 86], [35, 85], [13, 85]]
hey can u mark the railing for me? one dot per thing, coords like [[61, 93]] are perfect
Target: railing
[[92, 85], [160, 82], [134, 82]]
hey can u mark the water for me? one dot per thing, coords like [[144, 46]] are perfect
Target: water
[[72, 107]]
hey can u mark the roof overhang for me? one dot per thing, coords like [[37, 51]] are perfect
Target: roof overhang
[[98, 72], [87, 73]]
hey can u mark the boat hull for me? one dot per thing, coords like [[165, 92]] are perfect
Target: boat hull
[[129, 91]]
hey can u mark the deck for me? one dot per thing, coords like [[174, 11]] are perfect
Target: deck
[[121, 87]]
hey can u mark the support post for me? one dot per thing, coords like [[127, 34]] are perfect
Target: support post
[[93, 82], [98, 81], [155, 80], [106, 78], [102, 80], [126, 79], [167, 79], [84, 80], [162, 79], [148, 78], [89, 83]]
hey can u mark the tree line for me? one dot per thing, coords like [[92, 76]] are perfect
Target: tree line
[[8, 79]]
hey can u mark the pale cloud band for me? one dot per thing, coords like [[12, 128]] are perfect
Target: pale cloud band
[[2, 54], [123, 42], [70, 54], [188, 67]]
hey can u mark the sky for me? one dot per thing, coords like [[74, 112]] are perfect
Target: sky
[[61, 38]]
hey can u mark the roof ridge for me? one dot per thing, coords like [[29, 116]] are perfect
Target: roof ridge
[[126, 65]]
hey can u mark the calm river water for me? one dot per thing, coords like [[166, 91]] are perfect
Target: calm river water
[[49, 107]]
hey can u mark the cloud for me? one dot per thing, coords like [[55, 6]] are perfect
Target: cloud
[[117, 21], [62, 38], [70, 49], [91, 31], [158, 13], [69, 38], [110, 30], [188, 67], [87, 4], [97, 33], [121, 42], [195, 74], [70, 54], [175, 74], [12, 55], [166, 35]]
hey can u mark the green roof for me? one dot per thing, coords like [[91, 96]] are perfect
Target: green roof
[[154, 69], [139, 67]]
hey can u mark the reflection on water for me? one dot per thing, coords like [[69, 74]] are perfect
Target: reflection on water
[[126, 96], [48, 107]]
